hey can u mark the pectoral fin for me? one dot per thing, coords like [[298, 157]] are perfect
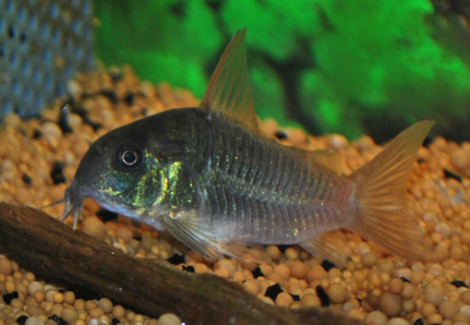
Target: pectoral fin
[[189, 229], [192, 231]]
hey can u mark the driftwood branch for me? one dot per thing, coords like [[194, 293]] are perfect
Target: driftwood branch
[[89, 267]]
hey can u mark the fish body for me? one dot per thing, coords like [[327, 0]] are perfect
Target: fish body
[[206, 175]]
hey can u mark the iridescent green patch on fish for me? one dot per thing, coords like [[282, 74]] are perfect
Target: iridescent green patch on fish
[[206, 175]]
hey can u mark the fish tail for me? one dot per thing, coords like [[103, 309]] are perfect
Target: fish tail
[[380, 197]]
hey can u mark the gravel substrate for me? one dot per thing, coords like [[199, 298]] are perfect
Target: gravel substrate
[[38, 159]]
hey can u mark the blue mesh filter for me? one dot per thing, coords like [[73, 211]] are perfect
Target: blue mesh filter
[[42, 45]]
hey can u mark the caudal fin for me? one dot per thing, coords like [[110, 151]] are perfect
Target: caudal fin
[[382, 214]]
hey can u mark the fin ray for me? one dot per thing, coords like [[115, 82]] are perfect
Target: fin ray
[[229, 90], [325, 246], [188, 228], [327, 158], [380, 196]]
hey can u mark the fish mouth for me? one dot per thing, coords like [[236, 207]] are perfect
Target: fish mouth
[[73, 205]]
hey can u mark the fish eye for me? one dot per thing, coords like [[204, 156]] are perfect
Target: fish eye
[[129, 156]]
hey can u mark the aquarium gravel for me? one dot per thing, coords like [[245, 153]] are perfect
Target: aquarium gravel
[[38, 159]]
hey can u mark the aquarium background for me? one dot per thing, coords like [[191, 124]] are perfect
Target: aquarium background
[[330, 66], [349, 67]]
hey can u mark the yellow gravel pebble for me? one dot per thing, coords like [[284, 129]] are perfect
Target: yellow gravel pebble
[[252, 287], [448, 309], [284, 299], [273, 252], [69, 315], [222, 271], [282, 270], [465, 297], [397, 321], [369, 259], [118, 311], [316, 273], [337, 293], [35, 286], [58, 298], [434, 295], [227, 264], [376, 317], [124, 233], [396, 285], [95, 312], [34, 321], [310, 300], [94, 227], [298, 269], [106, 305], [201, 268], [5, 265], [390, 303], [169, 319]]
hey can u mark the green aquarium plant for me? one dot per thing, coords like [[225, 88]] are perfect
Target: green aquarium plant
[[329, 65]]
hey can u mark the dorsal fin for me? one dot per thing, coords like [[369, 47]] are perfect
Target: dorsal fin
[[229, 90]]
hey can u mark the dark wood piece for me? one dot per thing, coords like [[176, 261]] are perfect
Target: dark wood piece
[[89, 267]]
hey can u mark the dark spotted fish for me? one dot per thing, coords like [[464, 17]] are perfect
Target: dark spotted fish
[[207, 176]]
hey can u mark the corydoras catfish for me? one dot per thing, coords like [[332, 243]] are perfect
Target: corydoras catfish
[[207, 176]]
